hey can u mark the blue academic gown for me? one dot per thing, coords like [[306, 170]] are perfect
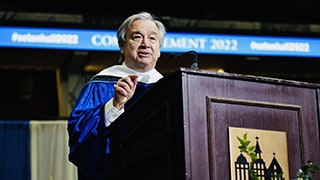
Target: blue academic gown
[[88, 137]]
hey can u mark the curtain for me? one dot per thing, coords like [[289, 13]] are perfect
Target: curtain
[[49, 151], [14, 150], [35, 150]]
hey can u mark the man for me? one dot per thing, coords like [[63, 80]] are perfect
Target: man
[[111, 91]]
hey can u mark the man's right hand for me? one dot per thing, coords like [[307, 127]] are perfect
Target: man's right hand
[[124, 90]]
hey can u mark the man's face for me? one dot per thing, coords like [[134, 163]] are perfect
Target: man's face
[[142, 47]]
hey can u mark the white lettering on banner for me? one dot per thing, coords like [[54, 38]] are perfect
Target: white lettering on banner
[[188, 43], [104, 40], [51, 38], [224, 44], [276, 46]]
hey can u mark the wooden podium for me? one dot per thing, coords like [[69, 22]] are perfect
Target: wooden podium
[[179, 128]]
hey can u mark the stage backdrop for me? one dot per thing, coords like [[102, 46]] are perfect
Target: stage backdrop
[[35, 150]]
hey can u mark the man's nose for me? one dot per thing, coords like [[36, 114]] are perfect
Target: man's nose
[[145, 42]]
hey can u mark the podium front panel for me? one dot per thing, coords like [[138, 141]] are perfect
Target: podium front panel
[[179, 128]]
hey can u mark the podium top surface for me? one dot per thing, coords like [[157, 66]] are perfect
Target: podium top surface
[[246, 77]]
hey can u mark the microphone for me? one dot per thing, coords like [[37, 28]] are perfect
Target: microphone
[[194, 65]]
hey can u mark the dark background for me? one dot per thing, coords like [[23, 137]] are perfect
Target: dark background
[[94, 11], [305, 11], [29, 76]]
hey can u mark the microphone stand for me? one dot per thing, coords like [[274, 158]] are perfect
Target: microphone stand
[[194, 65]]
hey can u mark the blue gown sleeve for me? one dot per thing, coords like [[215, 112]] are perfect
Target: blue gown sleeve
[[88, 143], [88, 136]]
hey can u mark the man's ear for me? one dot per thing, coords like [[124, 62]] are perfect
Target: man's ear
[[121, 50]]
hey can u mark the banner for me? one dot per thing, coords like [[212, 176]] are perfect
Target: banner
[[175, 42]]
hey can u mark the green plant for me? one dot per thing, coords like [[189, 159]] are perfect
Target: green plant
[[249, 151], [304, 173]]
